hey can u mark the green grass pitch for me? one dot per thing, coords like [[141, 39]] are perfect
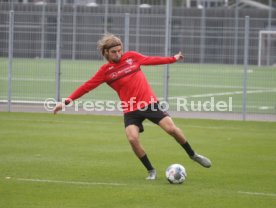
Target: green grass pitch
[[69, 161]]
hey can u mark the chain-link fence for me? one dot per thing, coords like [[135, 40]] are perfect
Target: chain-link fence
[[221, 72]]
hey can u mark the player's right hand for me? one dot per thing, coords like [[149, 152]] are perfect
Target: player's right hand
[[59, 107]]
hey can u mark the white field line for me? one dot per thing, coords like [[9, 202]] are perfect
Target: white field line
[[171, 98], [41, 80], [118, 184], [224, 93], [152, 83], [234, 106], [24, 101], [176, 97], [172, 104], [256, 193], [69, 182], [20, 101], [207, 86]]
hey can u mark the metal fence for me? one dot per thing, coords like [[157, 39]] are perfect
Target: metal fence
[[221, 53]]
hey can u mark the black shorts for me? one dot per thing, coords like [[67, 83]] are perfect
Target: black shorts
[[152, 112]]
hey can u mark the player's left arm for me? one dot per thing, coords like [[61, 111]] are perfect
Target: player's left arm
[[158, 60]]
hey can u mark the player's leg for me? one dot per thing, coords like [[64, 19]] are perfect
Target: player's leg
[[132, 133], [168, 125]]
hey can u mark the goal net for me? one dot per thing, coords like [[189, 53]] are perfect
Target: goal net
[[267, 48]]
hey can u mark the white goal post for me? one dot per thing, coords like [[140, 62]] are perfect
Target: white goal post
[[262, 35]]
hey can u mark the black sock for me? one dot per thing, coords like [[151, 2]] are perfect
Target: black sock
[[146, 162], [188, 149]]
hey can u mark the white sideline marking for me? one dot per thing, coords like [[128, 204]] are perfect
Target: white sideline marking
[[224, 93], [210, 86], [152, 83], [69, 182], [173, 104], [256, 193]]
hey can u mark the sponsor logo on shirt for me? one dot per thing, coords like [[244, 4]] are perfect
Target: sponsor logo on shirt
[[129, 61]]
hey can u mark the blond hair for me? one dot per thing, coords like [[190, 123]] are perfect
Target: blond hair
[[108, 41]]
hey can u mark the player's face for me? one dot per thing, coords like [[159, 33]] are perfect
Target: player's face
[[115, 54]]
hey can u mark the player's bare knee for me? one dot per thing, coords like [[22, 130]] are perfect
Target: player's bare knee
[[172, 130], [132, 140], [132, 137]]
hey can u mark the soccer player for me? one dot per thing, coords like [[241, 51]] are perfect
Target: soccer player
[[122, 73]]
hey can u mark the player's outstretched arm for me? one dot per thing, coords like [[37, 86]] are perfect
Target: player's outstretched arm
[[179, 56], [59, 107]]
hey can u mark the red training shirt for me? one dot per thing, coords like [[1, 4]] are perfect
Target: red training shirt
[[127, 79]]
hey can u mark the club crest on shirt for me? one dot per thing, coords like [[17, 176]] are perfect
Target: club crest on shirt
[[129, 61], [111, 67], [113, 75]]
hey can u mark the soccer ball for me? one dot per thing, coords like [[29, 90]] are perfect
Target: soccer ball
[[176, 174]]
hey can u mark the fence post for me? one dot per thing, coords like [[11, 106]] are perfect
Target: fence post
[[202, 35], [126, 41], [42, 47], [269, 36], [11, 31], [236, 39], [58, 47], [74, 31], [245, 67], [167, 48], [137, 36], [106, 16]]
